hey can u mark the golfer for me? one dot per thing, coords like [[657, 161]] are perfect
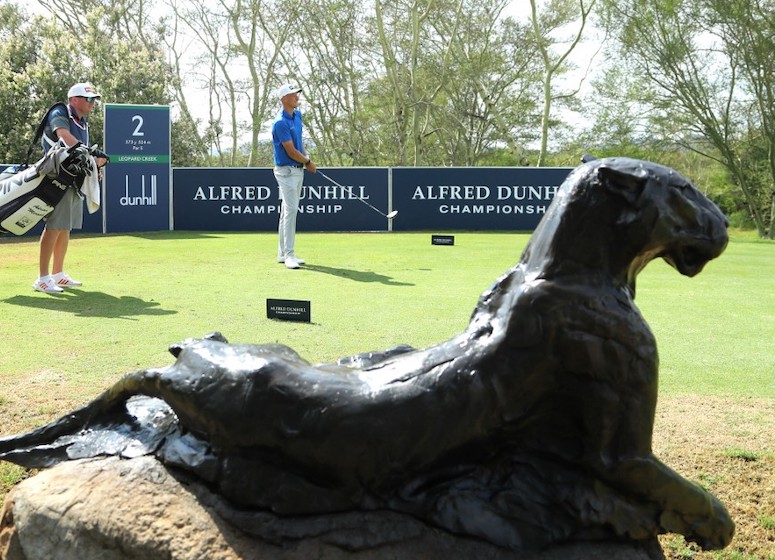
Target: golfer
[[290, 160]]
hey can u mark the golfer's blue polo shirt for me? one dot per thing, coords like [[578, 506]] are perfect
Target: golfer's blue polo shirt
[[286, 127]]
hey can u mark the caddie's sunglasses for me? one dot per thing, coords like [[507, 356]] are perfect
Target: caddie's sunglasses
[[89, 99]]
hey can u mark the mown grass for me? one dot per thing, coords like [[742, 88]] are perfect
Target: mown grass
[[367, 291], [143, 293], [715, 331]]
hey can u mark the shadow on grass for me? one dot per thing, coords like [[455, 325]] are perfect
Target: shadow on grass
[[91, 304], [356, 275]]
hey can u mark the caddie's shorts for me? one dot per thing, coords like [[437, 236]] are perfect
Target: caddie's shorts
[[68, 214]]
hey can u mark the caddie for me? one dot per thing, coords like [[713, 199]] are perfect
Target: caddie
[[68, 123]]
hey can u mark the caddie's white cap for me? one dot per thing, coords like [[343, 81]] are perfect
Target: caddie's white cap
[[83, 89], [286, 89]]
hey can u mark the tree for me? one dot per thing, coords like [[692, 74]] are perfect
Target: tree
[[443, 86], [703, 59], [330, 60], [406, 82], [124, 45], [18, 50], [490, 100], [554, 18], [414, 65], [620, 116], [41, 63], [250, 22], [242, 41], [746, 29], [211, 30]]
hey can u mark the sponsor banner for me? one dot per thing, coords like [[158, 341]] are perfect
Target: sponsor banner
[[473, 198], [248, 199], [137, 192]]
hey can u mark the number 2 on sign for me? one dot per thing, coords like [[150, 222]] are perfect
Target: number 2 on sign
[[139, 120]]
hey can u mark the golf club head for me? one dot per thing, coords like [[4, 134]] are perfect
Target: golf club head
[[392, 214]]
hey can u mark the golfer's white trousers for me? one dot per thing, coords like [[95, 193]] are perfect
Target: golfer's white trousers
[[290, 180]]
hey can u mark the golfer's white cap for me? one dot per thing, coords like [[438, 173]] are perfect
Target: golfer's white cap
[[284, 90], [83, 89]]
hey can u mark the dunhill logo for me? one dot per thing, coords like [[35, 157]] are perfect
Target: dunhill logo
[[146, 198]]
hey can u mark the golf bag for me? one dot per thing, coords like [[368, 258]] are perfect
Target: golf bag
[[31, 194]]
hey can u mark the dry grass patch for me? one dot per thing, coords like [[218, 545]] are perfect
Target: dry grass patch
[[728, 446]]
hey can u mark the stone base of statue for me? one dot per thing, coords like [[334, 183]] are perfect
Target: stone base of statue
[[119, 509]]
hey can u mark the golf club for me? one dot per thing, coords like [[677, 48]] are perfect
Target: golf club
[[389, 215]]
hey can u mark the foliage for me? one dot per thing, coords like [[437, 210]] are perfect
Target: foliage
[[555, 16], [40, 67], [187, 148], [47, 54], [446, 85], [426, 82], [414, 83], [708, 65]]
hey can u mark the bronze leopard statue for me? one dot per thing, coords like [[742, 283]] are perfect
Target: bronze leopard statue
[[532, 427]]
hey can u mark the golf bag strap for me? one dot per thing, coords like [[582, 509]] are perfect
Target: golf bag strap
[[39, 132]]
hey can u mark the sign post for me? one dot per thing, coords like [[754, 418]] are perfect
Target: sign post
[[137, 181]]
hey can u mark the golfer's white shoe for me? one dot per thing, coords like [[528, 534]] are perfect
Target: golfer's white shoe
[[292, 262], [46, 285], [63, 280], [281, 260]]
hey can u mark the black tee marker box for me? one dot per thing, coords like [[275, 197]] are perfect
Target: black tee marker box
[[288, 310], [442, 239]]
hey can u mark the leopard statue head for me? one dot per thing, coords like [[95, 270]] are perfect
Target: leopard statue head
[[614, 215]]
